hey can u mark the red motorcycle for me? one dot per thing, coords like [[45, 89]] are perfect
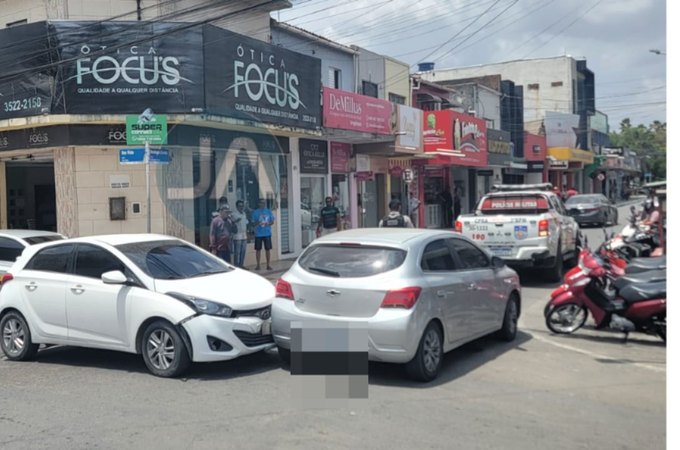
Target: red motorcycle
[[632, 302]]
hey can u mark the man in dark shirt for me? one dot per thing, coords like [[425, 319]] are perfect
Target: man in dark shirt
[[220, 235], [329, 219]]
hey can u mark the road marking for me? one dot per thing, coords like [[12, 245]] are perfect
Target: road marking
[[594, 355]]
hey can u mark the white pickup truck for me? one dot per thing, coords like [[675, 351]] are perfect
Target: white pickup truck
[[526, 226]]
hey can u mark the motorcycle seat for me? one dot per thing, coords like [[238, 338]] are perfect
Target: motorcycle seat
[[637, 265], [634, 293], [649, 276]]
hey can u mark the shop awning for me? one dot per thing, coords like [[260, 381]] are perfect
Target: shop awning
[[571, 154]]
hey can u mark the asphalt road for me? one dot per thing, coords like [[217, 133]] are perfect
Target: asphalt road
[[588, 390]]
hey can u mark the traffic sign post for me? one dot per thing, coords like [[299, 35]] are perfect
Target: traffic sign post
[[146, 129]]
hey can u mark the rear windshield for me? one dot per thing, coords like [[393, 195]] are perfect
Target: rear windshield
[[40, 239], [514, 204], [350, 261], [576, 199]]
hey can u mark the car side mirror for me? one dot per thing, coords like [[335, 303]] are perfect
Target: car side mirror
[[497, 263], [114, 277]]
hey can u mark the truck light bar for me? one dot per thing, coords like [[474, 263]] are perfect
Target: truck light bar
[[521, 187]]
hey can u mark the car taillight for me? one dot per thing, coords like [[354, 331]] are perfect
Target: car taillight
[[284, 289], [543, 228], [401, 298], [459, 226], [6, 277]]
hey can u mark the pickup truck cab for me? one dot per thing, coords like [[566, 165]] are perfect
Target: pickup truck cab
[[525, 225]]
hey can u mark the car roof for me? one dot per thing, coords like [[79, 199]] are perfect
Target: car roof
[[382, 236], [119, 239], [23, 234]]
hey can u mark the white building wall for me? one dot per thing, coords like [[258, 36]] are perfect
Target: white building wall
[[397, 80], [544, 72]]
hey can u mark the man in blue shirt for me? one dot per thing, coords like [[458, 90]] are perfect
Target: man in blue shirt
[[263, 218]]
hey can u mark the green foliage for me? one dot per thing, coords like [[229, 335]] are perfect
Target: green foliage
[[649, 142]]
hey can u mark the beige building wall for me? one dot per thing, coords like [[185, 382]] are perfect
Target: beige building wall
[[397, 80], [66, 192]]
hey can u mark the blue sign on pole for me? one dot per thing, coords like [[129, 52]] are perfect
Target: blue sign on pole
[[131, 156], [136, 156]]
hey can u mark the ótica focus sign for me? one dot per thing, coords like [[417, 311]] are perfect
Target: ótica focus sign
[[142, 129]]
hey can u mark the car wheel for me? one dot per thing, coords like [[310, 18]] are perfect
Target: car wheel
[[555, 272], [163, 350], [508, 331], [284, 354], [16, 338], [428, 359], [566, 318]]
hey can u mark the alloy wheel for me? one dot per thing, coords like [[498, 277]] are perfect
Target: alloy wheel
[[431, 350], [160, 348], [14, 337]]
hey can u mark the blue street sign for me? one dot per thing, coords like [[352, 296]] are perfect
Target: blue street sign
[[131, 156], [136, 156]]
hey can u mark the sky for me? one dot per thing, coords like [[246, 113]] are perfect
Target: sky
[[614, 36]]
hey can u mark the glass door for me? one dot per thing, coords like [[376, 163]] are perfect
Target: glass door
[[312, 196]]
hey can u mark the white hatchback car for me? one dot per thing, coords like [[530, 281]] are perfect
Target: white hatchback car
[[151, 294]]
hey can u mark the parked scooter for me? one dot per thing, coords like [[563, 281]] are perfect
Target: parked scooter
[[635, 302]]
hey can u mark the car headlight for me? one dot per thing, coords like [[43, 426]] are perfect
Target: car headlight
[[202, 306]]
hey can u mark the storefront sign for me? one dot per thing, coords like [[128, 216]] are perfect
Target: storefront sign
[[534, 147], [348, 111], [410, 129], [559, 164], [28, 138], [561, 130], [340, 156], [261, 81], [30, 93], [313, 156], [363, 163], [460, 135], [535, 167], [499, 142], [105, 70]]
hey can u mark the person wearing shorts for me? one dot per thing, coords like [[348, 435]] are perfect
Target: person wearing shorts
[[263, 219]]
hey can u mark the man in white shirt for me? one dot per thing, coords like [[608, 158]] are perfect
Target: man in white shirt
[[240, 238]]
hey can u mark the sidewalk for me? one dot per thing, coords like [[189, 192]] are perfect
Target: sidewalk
[[278, 269]]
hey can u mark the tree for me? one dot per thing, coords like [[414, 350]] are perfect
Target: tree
[[649, 142]]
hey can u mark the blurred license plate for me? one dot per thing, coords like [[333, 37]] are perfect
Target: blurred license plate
[[501, 251], [267, 327]]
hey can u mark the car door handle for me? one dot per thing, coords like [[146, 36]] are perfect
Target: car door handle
[[77, 289], [31, 286], [441, 294], [473, 287]]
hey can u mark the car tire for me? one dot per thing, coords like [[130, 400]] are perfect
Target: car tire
[[284, 354], [164, 351], [428, 359], [555, 272], [16, 340], [508, 331]]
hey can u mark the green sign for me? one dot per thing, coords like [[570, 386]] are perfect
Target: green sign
[[146, 128]]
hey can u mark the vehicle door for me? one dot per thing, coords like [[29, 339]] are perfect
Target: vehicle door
[[446, 288], [10, 250], [486, 301], [97, 312], [567, 224], [43, 286]]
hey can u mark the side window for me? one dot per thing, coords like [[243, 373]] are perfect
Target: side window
[[470, 256], [52, 259], [437, 257], [93, 261], [10, 249], [557, 205]]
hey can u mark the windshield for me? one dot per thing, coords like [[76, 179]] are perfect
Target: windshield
[[172, 260], [584, 199], [350, 261]]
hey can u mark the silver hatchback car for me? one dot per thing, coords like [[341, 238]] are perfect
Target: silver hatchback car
[[419, 293]]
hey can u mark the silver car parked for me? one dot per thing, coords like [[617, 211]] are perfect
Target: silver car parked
[[420, 293]]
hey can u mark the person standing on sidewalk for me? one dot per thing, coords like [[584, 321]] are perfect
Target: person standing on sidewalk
[[395, 219], [264, 219], [240, 238], [329, 219], [220, 244], [413, 207]]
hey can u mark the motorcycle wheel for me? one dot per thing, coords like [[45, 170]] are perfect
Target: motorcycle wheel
[[566, 318]]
